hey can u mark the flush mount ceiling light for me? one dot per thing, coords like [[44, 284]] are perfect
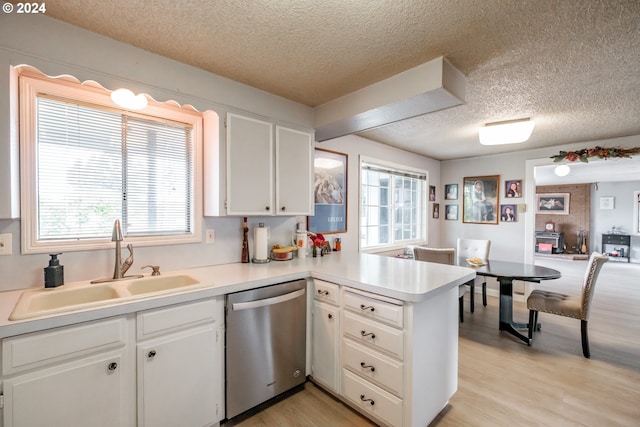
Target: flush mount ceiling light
[[126, 99], [507, 132], [562, 170]]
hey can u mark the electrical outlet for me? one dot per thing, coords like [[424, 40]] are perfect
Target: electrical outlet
[[211, 236], [5, 244]]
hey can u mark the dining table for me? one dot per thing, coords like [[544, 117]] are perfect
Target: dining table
[[506, 272]]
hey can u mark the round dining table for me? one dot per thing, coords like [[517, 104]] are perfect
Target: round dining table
[[506, 272]]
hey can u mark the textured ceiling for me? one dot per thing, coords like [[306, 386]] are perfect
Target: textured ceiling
[[573, 66]]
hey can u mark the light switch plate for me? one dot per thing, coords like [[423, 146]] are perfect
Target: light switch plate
[[211, 236], [6, 242]]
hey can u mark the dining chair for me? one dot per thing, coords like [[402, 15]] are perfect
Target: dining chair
[[441, 256], [475, 248], [575, 306]]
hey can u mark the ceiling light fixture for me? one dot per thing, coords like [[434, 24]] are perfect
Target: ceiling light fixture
[[507, 132], [126, 99], [562, 170]]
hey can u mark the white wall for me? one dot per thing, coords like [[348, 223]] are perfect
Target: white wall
[[354, 146], [620, 217]]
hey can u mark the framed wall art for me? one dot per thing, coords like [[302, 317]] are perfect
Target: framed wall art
[[329, 192], [451, 212], [606, 202], [513, 189], [480, 199], [552, 203], [436, 210], [432, 193], [451, 191], [508, 213]]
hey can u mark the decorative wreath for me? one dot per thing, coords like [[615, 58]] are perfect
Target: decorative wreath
[[600, 152]]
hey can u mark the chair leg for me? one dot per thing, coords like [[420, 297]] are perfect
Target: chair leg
[[532, 322], [535, 322], [484, 293], [472, 303], [461, 308], [585, 339]]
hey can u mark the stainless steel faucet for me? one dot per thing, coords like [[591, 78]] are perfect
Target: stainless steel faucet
[[120, 268]]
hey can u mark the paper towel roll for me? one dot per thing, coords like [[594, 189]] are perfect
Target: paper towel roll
[[301, 242], [261, 242]]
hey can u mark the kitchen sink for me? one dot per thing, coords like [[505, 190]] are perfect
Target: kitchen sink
[[49, 301], [78, 296], [159, 284]]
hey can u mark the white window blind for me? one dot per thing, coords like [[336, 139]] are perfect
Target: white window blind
[[392, 207], [95, 165]]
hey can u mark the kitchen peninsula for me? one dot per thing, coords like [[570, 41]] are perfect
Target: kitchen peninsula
[[424, 349]]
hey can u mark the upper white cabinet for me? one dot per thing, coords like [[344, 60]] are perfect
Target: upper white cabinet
[[267, 178], [293, 172]]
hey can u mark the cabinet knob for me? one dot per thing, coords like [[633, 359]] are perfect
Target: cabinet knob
[[367, 307], [266, 208], [151, 354], [330, 316], [112, 366], [365, 366], [284, 208], [364, 399], [365, 334]]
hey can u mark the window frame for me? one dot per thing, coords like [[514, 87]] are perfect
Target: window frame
[[424, 214], [30, 85]]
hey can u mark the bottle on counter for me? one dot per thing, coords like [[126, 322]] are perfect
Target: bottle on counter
[[54, 273]]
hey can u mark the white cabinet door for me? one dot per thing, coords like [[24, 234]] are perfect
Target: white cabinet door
[[93, 391], [294, 173], [249, 166], [178, 377], [324, 355]]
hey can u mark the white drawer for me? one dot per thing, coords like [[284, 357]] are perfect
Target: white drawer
[[327, 292], [371, 399], [374, 308], [377, 335], [374, 367], [38, 349], [176, 317]]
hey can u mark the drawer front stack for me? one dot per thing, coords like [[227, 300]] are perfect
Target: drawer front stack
[[373, 354]]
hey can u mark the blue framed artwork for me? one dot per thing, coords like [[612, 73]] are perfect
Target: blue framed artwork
[[329, 192]]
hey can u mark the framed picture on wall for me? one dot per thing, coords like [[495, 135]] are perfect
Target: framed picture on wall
[[508, 213], [432, 193], [329, 192], [513, 189], [451, 191], [436, 210], [552, 203], [480, 199], [451, 212]]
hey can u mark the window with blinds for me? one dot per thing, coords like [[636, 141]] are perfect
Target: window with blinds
[[87, 164], [392, 206], [95, 166]]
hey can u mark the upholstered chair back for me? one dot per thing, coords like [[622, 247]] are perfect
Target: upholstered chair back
[[470, 248], [596, 261], [438, 255]]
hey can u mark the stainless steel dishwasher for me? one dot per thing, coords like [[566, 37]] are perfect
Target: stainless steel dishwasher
[[265, 344]]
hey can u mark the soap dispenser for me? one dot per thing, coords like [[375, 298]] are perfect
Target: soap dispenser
[[54, 273]]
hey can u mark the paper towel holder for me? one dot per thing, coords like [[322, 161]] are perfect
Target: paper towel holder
[[261, 244]]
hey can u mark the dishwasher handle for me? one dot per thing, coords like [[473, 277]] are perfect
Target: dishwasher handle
[[267, 301]]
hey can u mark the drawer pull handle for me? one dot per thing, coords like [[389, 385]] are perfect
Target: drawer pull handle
[[321, 292], [365, 366], [367, 307], [112, 366], [330, 316], [151, 354], [364, 399], [365, 334]]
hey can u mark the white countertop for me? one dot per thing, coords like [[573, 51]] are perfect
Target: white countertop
[[403, 279]]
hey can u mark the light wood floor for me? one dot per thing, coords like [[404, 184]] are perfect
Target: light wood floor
[[502, 382]]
